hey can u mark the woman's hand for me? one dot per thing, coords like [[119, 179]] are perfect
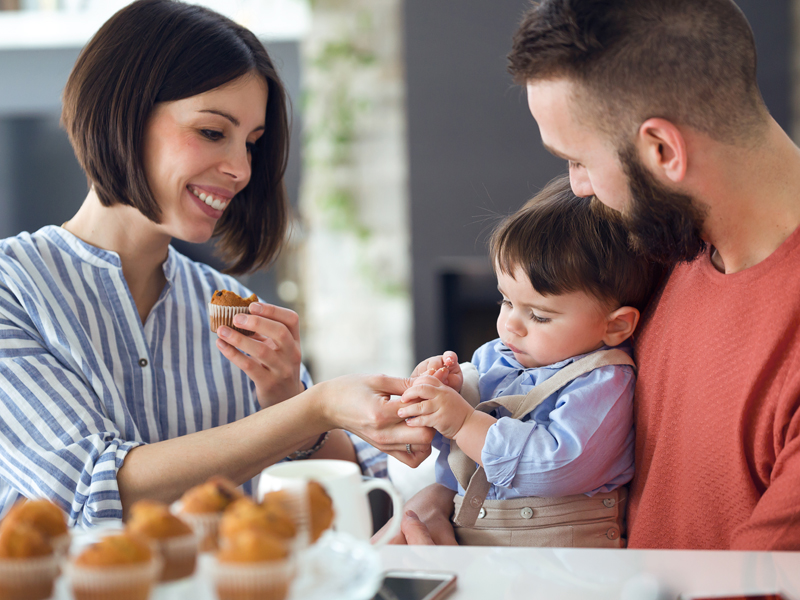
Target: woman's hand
[[271, 356], [362, 404]]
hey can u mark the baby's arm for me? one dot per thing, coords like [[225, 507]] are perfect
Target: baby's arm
[[432, 403], [451, 376]]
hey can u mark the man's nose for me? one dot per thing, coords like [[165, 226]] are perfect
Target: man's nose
[[580, 183]]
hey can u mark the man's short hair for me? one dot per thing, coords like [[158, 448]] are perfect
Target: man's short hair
[[565, 243], [157, 51], [692, 62]]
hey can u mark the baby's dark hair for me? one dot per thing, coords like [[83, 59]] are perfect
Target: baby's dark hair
[[566, 244]]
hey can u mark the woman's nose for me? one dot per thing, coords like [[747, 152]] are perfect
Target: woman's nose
[[580, 183], [236, 164]]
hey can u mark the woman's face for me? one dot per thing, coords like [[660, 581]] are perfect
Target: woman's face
[[198, 152]]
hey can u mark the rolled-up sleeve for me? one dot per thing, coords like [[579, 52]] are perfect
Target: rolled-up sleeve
[[55, 440], [585, 442]]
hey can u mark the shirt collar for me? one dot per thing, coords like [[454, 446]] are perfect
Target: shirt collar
[[508, 356]]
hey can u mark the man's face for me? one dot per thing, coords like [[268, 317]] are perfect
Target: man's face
[[665, 225]]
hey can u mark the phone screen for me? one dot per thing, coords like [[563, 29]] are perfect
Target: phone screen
[[409, 588]]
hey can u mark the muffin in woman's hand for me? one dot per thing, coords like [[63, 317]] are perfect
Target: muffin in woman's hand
[[224, 306], [46, 518], [175, 540], [28, 565], [252, 565], [202, 508], [118, 567], [246, 514]]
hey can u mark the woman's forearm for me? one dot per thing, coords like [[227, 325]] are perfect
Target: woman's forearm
[[165, 470]]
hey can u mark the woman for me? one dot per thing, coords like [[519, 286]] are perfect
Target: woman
[[111, 386]]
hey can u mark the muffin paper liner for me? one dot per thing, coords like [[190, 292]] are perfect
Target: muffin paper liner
[[179, 555], [267, 580], [206, 528], [28, 578], [223, 315], [124, 582]]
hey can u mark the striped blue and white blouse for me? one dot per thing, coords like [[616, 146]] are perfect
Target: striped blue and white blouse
[[82, 381]]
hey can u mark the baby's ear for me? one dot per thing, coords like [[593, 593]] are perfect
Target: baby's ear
[[620, 325]]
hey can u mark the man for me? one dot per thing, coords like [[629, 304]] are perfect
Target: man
[[655, 105]]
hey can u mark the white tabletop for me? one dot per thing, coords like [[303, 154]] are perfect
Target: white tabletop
[[564, 573]]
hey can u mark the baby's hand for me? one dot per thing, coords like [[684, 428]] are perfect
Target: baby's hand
[[431, 403], [444, 367]]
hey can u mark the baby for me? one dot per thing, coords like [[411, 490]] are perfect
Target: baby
[[546, 410]]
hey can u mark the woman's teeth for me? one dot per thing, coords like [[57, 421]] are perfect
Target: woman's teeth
[[215, 203]]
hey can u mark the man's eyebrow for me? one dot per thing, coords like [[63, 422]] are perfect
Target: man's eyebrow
[[228, 116], [556, 153]]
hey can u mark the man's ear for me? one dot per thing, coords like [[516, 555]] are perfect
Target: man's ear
[[620, 325], [663, 149]]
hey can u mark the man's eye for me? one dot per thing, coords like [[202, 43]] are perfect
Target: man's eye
[[212, 134], [575, 165]]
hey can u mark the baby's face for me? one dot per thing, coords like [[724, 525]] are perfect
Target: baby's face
[[542, 330]]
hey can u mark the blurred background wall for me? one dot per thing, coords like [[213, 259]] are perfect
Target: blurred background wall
[[443, 146]]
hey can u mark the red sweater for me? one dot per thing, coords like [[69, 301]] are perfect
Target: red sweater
[[716, 407]]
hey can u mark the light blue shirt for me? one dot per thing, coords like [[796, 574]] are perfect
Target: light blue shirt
[[83, 381], [578, 441]]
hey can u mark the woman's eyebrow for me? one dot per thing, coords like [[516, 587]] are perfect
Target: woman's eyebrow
[[228, 116]]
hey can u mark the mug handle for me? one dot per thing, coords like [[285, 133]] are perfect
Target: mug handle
[[397, 506]]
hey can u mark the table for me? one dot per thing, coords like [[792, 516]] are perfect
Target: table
[[566, 574]]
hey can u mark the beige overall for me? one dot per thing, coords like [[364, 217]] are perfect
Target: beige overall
[[572, 521]]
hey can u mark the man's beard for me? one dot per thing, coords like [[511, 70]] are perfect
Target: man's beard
[[665, 226]]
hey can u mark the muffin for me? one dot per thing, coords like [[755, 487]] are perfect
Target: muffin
[[245, 514], [46, 518], [28, 565], [252, 565], [202, 506], [119, 567], [224, 306], [309, 505], [174, 539]]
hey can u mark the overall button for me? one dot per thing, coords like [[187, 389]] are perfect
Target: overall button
[[612, 533], [609, 502], [475, 502], [142, 362], [526, 513], [482, 513]]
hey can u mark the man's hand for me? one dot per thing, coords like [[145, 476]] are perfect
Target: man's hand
[[445, 368], [429, 521], [432, 403]]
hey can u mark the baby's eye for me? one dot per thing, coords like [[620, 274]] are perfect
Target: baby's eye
[[211, 134], [504, 302], [537, 319]]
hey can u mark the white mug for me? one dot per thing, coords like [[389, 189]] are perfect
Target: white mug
[[343, 483]]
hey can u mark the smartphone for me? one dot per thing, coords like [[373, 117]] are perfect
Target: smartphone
[[758, 596], [416, 585]]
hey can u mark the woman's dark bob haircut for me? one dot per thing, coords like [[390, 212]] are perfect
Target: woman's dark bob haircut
[[157, 51]]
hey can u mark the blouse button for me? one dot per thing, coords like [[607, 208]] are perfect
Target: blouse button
[[142, 362], [526, 513]]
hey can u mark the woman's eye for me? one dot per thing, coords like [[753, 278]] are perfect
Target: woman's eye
[[211, 134], [252, 147], [538, 319]]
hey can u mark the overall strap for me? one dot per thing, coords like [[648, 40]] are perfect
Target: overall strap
[[473, 478]]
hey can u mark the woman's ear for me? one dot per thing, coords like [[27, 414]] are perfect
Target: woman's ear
[[663, 149], [620, 325]]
